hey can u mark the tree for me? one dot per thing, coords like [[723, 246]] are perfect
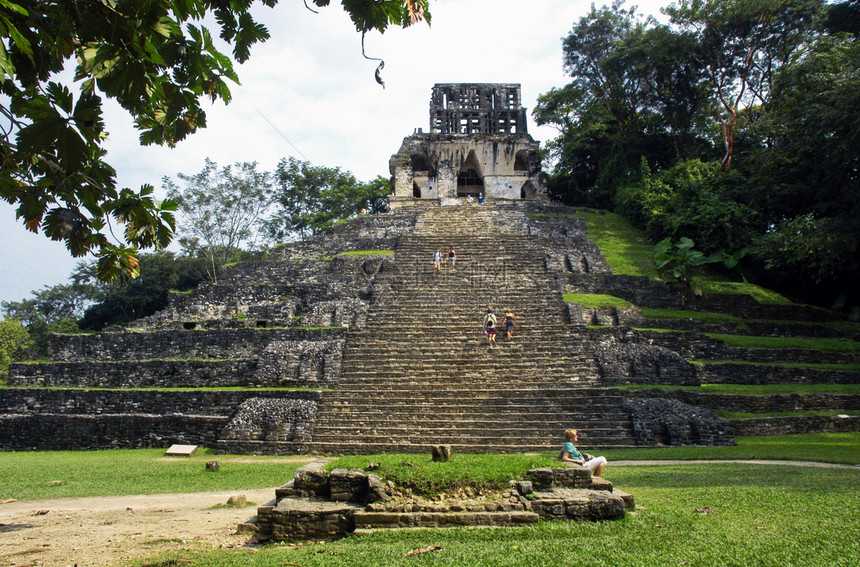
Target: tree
[[160, 273], [14, 339], [56, 309], [223, 210], [310, 199], [154, 58], [742, 43], [636, 91]]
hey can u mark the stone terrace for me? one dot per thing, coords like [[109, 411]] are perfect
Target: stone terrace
[[395, 358]]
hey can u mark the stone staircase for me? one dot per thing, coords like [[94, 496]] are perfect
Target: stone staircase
[[421, 372]]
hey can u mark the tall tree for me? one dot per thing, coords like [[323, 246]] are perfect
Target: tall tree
[[157, 60], [742, 43], [635, 91], [310, 199], [223, 209], [14, 340]]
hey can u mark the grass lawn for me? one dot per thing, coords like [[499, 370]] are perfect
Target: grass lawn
[[25, 475], [625, 247], [596, 300], [696, 515]]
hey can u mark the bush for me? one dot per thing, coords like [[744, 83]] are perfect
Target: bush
[[693, 199]]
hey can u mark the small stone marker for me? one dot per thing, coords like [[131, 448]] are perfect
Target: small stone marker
[[213, 466], [181, 450], [442, 453], [239, 500]]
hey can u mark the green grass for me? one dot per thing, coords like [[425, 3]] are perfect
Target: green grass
[[699, 316], [597, 301], [367, 253], [757, 389], [144, 471], [760, 294], [629, 252], [757, 516], [750, 341], [423, 475], [747, 415], [821, 447], [625, 247]]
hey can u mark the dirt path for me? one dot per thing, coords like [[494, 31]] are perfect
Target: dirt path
[[104, 531]]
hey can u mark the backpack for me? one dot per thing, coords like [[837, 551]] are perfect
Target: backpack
[[490, 320]]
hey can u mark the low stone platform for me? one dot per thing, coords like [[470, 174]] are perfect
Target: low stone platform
[[327, 505]]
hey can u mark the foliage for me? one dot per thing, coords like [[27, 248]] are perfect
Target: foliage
[[160, 273], [692, 199], [54, 309], [14, 339], [812, 243], [157, 61], [677, 260], [635, 91], [224, 210], [741, 46], [775, 82], [311, 199]]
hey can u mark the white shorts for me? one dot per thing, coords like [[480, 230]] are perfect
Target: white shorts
[[594, 463]]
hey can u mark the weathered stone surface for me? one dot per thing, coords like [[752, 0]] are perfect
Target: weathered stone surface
[[658, 421], [442, 453], [348, 485], [311, 480], [272, 420], [636, 363], [213, 466], [378, 490]]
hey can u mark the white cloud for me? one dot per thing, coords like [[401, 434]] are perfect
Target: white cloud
[[311, 81]]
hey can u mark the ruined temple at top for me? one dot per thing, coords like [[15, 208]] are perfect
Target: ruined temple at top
[[478, 142], [349, 343]]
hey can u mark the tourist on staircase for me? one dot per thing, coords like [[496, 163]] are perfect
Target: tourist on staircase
[[490, 327], [569, 454], [510, 322], [452, 257], [437, 262]]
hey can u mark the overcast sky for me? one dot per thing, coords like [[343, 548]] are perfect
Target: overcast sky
[[309, 93]]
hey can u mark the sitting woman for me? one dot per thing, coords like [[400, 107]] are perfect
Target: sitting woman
[[569, 454]]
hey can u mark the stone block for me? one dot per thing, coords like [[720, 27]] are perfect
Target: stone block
[[348, 485], [442, 453]]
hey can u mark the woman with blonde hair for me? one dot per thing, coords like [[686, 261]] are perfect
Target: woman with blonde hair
[[569, 454]]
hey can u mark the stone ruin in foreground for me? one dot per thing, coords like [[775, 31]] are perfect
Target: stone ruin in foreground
[[349, 342]]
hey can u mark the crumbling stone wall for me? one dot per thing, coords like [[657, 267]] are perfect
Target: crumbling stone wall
[[635, 363], [272, 419], [659, 421], [220, 344], [57, 432], [300, 363]]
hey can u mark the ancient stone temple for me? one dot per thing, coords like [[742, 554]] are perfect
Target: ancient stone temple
[[478, 143], [351, 342]]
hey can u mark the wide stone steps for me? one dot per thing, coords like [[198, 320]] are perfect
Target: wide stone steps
[[421, 368]]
